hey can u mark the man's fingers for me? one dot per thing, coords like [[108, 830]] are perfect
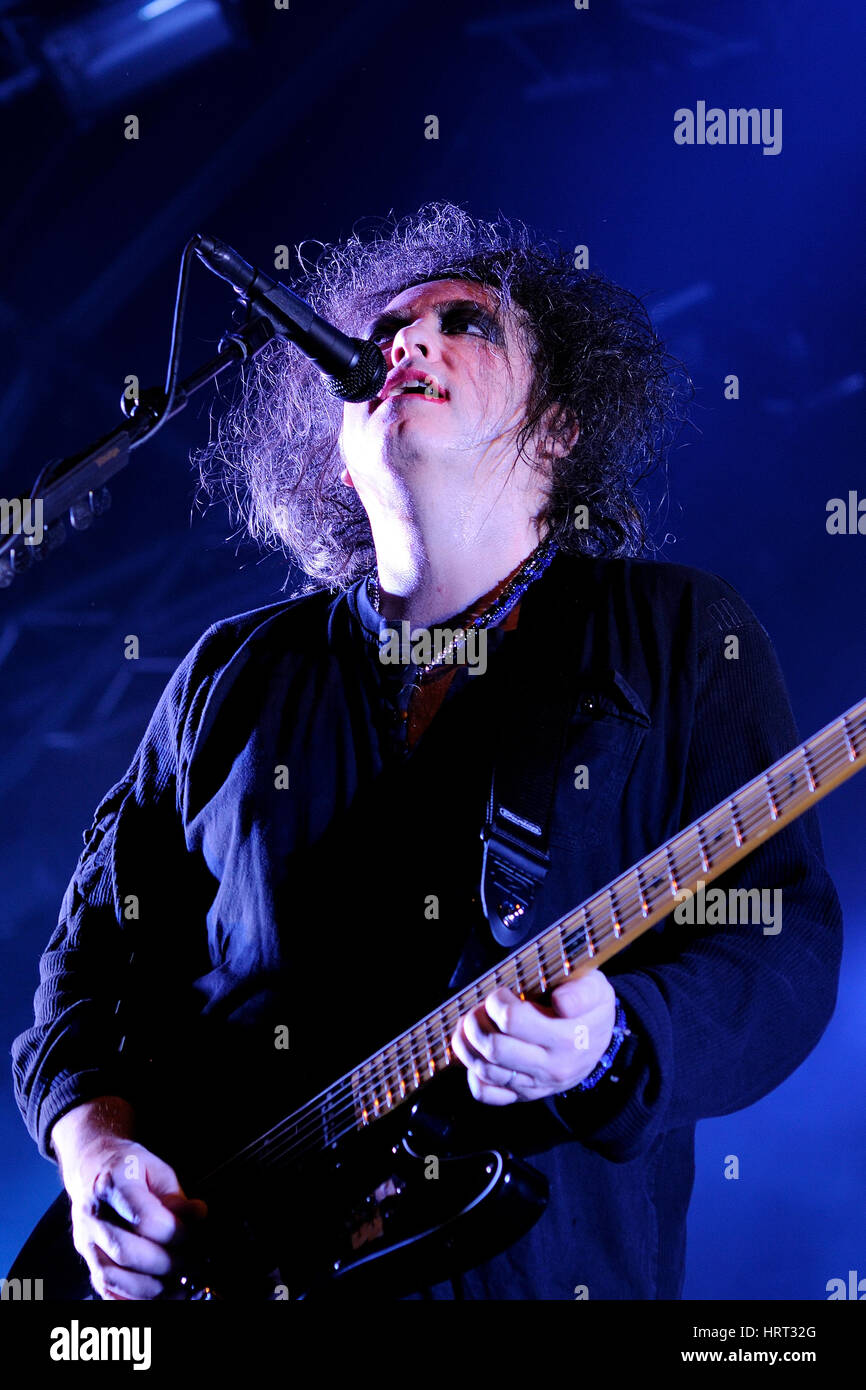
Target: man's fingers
[[588, 998], [590, 992], [112, 1281], [495, 1054], [490, 1095], [518, 1049], [518, 1018], [498, 1077], [126, 1249], [187, 1208], [148, 1213], [162, 1180]]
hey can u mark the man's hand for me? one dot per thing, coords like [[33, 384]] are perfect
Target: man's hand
[[516, 1050], [128, 1210]]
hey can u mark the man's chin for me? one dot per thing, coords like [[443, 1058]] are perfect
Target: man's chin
[[401, 431]]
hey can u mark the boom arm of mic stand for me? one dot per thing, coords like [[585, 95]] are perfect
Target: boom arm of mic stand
[[77, 484]]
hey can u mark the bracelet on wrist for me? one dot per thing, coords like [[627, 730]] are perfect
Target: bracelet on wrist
[[619, 1033]]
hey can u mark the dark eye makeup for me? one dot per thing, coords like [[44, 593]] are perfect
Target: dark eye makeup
[[471, 316], [456, 316]]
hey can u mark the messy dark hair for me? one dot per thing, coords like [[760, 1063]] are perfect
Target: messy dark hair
[[595, 359]]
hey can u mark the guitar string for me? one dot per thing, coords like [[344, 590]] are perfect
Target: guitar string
[[305, 1129]]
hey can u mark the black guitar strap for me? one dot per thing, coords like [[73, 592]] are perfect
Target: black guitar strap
[[535, 701]]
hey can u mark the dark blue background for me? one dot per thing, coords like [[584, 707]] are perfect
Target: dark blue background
[[302, 122]]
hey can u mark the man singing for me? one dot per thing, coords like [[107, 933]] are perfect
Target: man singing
[[294, 856]]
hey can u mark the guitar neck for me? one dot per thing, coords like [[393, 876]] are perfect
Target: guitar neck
[[628, 906], [583, 939]]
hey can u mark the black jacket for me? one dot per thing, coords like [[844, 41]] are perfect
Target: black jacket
[[253, 904]]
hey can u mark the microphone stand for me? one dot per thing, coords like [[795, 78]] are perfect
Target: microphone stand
[[77, 483]]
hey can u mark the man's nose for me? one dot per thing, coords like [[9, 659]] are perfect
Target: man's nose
[[419, 337]]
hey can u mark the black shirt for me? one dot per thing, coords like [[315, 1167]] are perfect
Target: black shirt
[[274, 853]]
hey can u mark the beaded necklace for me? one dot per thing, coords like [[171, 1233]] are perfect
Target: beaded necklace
[[532, 567]]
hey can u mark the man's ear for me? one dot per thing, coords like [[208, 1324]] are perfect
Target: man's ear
[[561, 431]]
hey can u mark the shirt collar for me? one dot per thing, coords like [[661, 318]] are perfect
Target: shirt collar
[[371, 621]]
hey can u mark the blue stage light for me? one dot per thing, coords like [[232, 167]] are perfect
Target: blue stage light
[[106, 57]]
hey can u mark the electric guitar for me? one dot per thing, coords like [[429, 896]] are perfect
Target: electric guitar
[[365, 1218]]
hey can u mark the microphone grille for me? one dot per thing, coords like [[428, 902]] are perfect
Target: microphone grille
[[363, 381]]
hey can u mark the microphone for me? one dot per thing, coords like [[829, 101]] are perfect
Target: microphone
[[354, 369]]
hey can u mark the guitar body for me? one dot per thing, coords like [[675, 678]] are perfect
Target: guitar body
[[370, 1219]]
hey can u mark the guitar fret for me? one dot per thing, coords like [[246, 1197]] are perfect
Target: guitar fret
[[428, 1046], [401, 1080], [671, 872], [735, 822], [644, 906], [416, 1070], [617, 928], [415, 1057], [382, 1077], [518, 979], [374, 1091], [813, 785], [705, 858], [852, 752], [394, 1069], [371, 1089], [325, 1121], [382, 1087], [774, 810], [541, 976], [361, 1103], [386, 1077], [442, 1018], [587, 932], [566, 963], [398, 1068]]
